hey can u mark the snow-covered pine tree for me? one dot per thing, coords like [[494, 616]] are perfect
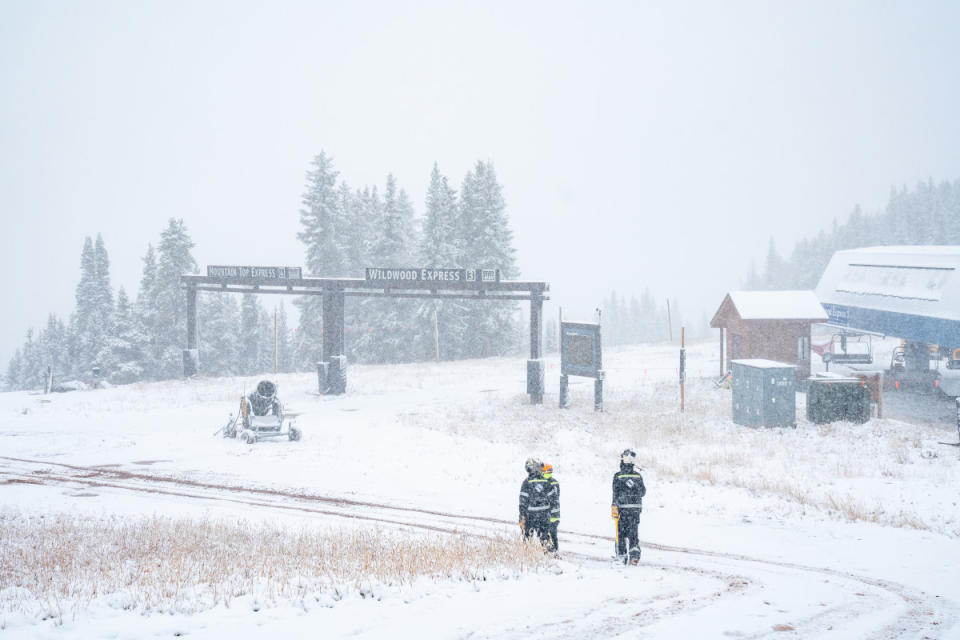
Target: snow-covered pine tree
[[265, 362], [125, 349], [249, 335], [773, 274], [55, 345], [14, 381], [322, 224], [322, 221], [488, 244], [219, 327], [103, 309], [354, 234], [440, 247], [32, 368], [86, 333], [145, 311], [284, 351], [363, 316], [391, 323], [170, 330]]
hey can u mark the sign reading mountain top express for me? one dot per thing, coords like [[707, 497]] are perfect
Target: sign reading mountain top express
[[263, 273], [428, 274]]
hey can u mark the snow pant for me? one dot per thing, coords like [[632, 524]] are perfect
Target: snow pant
[[554, 543], [627, 524], [538, 526]]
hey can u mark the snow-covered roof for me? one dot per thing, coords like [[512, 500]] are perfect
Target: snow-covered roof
[[921, 280], [777, 305], [910, 292]]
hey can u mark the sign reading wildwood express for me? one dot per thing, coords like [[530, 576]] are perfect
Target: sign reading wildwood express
[[427, 274]]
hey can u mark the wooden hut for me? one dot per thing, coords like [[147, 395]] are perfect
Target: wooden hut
[[773, 325]]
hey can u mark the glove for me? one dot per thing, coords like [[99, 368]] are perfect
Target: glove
[[614, 512], [523, 524]]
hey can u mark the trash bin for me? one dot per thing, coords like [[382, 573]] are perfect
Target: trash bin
[[831, 399]]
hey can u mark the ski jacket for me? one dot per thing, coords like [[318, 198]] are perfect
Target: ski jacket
[[536, 498], [555, 507], [628, 489]]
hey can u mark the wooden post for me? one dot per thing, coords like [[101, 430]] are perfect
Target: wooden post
[[535, 368], [536, 332], [723, 345], [333, 334], [436, 336], [333, 340], [191, 317], [190, 359], [683, 365]]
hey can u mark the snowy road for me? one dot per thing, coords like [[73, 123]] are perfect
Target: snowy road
[[733, 548], [734, 595]]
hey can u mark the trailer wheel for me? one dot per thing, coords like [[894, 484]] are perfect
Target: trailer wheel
[[249, 437], [294, 434]]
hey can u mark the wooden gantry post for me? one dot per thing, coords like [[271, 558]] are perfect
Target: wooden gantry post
[[470, 284], [535, 365], [191, 359]]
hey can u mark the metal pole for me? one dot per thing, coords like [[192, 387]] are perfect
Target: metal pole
[[274, 341], [683, 364], [436, 336], [722, 345]]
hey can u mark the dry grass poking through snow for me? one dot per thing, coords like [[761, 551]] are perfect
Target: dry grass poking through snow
[[55, 566], [885, 471]]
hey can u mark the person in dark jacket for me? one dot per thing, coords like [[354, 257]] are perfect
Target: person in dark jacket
[[554, 508], [536, 500], [627, 503]]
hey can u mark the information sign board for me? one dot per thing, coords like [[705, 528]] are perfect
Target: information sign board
[[580, 349]]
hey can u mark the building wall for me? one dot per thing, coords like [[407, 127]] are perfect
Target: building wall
[[769, 339]]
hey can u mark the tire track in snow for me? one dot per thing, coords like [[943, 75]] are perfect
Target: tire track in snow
[[921, 615]]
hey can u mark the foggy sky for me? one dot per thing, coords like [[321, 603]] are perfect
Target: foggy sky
[[639, 144]]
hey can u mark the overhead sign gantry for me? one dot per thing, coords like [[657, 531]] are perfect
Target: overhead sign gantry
[[418, 282]]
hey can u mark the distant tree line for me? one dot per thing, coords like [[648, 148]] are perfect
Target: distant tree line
[[344, 230], [124, 340], [927, 215], [643, 319]]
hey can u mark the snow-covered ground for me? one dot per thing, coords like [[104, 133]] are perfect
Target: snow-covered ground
[[839, 531]]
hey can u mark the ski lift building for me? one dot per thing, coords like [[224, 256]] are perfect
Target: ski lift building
[[910, 292], [770, 325]]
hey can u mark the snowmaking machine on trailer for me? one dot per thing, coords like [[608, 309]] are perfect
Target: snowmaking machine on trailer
[[261, 416]]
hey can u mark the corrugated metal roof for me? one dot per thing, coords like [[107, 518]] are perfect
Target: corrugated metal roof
[[777, 305]]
